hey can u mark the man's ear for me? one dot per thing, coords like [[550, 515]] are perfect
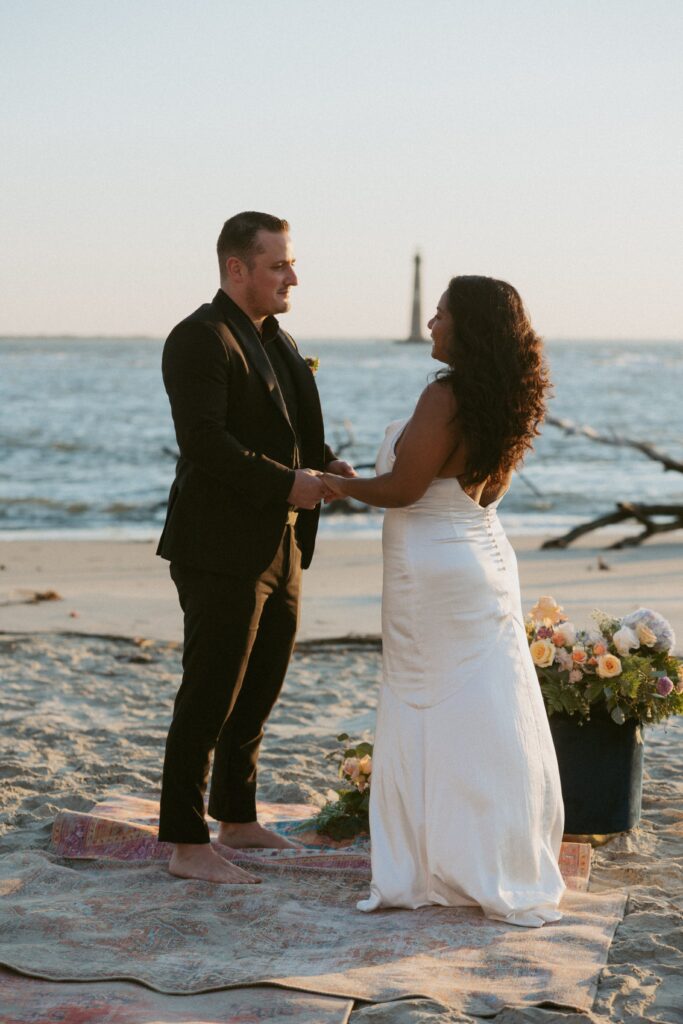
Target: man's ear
[[235, 269]]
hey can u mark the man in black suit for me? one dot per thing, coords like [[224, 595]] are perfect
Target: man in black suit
[[241, 524]]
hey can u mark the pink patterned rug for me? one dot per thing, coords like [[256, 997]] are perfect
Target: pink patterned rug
[[124, 827], [107, 920], [30, 1001]]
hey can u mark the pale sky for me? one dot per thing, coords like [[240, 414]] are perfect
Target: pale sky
[[535, 140]]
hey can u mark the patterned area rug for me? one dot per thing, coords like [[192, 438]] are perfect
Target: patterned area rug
[[125, 828], [102, 920], [29, 1001]]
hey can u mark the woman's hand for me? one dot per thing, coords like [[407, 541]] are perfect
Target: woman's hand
[[335, 486]]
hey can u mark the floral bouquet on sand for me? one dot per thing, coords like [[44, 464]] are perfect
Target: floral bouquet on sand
[[347, 816], [625, 665]]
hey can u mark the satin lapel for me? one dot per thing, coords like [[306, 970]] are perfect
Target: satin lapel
[[253, 350], [304, 380], [261, 363]]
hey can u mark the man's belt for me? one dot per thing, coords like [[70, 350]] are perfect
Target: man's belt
[[292, 516]]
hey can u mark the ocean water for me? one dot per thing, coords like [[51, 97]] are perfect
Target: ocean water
[[87, 445]]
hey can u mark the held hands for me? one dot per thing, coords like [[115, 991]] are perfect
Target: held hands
[[308, 489], [333, 478], [310, 486]]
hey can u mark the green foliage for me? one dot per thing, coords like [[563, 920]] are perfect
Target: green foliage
[[347, 816]]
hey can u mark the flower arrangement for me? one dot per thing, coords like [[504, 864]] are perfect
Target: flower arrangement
[[625, 665], [347, 816], [312, 362]]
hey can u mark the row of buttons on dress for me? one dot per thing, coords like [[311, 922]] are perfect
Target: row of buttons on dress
[[489, 513]]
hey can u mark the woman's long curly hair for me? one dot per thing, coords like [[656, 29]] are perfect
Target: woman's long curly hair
[[498, 375]]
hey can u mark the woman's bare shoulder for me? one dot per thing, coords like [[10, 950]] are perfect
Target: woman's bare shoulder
[[438, 399]]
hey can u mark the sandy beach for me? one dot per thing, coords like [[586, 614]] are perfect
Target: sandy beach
[[105, 692], [121, 588]]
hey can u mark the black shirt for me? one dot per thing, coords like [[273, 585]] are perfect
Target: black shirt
[[273, 344]]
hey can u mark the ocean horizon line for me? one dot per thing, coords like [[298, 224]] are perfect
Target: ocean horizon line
[[335, 339]]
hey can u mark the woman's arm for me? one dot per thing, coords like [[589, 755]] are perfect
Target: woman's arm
[[428, 440]]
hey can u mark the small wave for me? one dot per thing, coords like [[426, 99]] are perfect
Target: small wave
[[68, 446], [73, 507], [28, 442], [125, 509]]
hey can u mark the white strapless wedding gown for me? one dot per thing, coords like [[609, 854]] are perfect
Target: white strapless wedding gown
[[465, 803]]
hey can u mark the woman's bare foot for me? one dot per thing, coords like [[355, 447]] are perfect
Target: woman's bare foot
[[200, 860], [251, 836]]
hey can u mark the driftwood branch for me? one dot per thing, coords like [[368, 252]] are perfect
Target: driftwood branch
[[649, 516], [644, 447], [627, 510]]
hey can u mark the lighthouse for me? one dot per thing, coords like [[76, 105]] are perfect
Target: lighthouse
[[416, 334]]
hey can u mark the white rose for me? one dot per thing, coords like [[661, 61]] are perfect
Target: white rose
[[625, 640], [564, 659]]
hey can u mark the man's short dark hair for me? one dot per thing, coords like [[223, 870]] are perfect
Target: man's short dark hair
[[238, 236]]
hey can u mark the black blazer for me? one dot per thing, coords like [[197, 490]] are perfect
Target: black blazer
[[227, 509]]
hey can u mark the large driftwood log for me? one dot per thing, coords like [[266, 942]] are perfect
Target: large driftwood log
[[645, 447], [627, 510], [644, 514]]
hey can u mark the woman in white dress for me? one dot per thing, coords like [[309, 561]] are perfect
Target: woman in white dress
[[465, 805]]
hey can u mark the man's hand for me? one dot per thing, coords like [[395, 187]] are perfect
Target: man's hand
[[340, 468], [336, 469], [307, 490]]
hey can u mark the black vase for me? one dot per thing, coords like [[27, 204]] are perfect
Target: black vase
[[601, 770]]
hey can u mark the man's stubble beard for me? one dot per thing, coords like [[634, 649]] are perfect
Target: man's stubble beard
[[258, 309]]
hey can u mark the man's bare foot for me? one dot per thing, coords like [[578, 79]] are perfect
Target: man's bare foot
[[200, 860], [251, 836]]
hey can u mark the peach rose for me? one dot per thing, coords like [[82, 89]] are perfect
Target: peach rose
[[579, 655], [542, 653], [599, 649], [608, 666], [365, 764], [547, 610], [645, 635], [678, 685], [351, 767]]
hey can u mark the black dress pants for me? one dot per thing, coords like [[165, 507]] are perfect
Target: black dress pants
[[239, 636]]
